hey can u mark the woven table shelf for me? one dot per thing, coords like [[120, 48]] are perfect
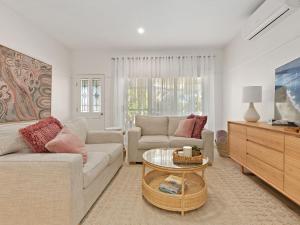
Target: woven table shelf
[[195, 196]]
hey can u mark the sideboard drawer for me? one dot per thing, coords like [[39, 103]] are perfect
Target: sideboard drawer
[[267, 155], [269, 173], [267, 138], [292, 166]]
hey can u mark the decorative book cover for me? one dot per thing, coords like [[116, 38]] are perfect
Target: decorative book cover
[[172, 185]]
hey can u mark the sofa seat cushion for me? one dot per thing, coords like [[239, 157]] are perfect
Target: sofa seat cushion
[[96, 163], [153, 141], [179, 142], [112, 149]]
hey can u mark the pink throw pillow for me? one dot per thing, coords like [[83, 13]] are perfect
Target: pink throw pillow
[[199, 125], [37, 135], [67, 142], [185, 128]]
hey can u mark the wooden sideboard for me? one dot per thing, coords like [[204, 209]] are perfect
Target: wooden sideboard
[[270, 152]]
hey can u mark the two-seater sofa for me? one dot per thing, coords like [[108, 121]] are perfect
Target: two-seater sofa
[[159, 132], [52, 188]]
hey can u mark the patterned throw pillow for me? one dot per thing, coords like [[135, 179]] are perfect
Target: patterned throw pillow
[[199, 125], [67, 142], [37, 135], [185, 128]]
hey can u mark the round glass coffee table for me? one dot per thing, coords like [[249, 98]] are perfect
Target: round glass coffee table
[[157, 166]]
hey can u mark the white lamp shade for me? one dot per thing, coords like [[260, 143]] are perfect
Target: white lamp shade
[[252, 94]]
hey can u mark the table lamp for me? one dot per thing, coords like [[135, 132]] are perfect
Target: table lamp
[[252, 94]]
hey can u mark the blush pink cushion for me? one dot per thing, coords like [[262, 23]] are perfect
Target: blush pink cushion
[[67, 142], [199, 125], [185, 128], [37, 135]]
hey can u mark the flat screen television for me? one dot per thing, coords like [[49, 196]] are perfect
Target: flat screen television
[[287, 92]]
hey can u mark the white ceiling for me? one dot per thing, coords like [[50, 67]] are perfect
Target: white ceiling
[[82, 24]]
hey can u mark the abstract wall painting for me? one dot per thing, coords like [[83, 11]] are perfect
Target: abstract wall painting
[[287, 91], [25, 87]]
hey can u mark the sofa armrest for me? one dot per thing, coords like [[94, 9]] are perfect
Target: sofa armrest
[[101, 137], [208, 144], [134, 135], [43, 188]]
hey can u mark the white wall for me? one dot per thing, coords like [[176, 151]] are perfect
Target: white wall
[[99, 62], [254, 63], [22, 36]]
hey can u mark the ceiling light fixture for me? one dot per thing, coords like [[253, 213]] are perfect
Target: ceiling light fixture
[[141, 30]]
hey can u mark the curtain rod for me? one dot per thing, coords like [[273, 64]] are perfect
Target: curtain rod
[[139, 57]]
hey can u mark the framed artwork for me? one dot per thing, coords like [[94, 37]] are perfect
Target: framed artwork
[[25, 87], [287, 92]]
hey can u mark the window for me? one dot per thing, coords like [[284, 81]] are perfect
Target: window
[[96, 85], [84, 99], [90, 95], [164, 96], [137, 97]]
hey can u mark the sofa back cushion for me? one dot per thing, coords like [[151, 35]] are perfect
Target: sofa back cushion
[[152, 125], [173, 124], [79, 127], [10, 138]]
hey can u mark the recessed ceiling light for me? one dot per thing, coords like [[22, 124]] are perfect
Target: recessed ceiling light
[[141, 30]]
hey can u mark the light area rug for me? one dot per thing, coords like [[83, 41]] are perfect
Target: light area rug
[[234, 199]]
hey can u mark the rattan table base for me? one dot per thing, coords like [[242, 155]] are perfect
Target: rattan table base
[[193, 196]]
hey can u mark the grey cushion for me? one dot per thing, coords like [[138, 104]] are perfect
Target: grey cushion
[[96, 163], [153, 141], [152, 125], [112, 149], [179, 142], [173, 124]]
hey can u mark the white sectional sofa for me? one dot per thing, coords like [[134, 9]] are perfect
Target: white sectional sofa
[[158, 132], [51, 188]]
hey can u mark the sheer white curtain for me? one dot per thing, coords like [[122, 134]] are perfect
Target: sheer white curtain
[[168, 85]]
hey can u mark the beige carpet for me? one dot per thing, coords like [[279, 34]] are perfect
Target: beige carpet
[[234, 199]]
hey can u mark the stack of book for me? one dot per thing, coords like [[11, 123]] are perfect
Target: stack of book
[[171, 185]]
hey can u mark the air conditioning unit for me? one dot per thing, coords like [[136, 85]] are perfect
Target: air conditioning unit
[[266, 15]]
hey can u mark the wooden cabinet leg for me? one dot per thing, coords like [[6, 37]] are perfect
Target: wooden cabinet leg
[[243, 170]]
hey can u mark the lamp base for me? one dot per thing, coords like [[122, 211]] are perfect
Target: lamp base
[[251, 115]]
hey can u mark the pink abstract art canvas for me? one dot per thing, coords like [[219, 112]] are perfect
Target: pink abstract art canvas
[[25, 87]]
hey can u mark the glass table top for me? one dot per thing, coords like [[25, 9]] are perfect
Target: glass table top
[[164, 158]]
